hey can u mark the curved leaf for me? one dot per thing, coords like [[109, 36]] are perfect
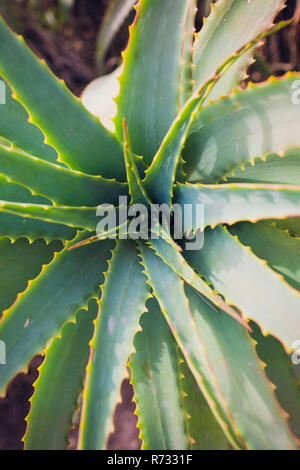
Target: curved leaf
[[161, 174], [241, 378], [219, 352], [202, 428], [124, 294], [20, 262], [50, 300], [281, 251], [155, 378], [152, 89], [224, 32], [275, 169], [81, 217], [171, 255], [115, 15], [60, 185], [59, 384], [280, 372], [15, 226], [230, 203], [16, 128], [254, 122], [247, 282], [67, 125]]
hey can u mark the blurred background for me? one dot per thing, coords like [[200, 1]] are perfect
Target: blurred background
[[70, 36]]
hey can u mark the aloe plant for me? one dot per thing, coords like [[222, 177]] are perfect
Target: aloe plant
[[207, 334]]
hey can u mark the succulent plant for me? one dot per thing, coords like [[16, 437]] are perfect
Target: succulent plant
[[208, 336]]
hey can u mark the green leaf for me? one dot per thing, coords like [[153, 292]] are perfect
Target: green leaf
[[150, 85], [115, 15], [222, 359], [281, 251], [124, 294], [171, 255], [280, 372], [247, 282], [15, 226], [255, 122], [67, 125], [136, 188], [20, 262], [155, 378], [161, 174], [16, 128], [50, 300], [60, 185], [166, 249], [231, 25], [186, 73], [203, 430], [176, 310], [275, 169], [81, 217], [240, 375], [59, 384], [230, 203]]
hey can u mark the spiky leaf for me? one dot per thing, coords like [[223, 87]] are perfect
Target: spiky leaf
[[59, 384]]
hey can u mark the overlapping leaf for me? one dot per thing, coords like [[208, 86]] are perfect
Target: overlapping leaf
[[16, 226], [177, 313], [230, 25], [152, 66], [81, 141], [161, 174], [20, 262], [275, 169], [230, 203], [281, 251], [203, 430], [254, 122], [155, 377], [80, 217], [206, 345], [247, 282], [241, 377], [16, 128], [49, 301], [279, 370], [60, 185]]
